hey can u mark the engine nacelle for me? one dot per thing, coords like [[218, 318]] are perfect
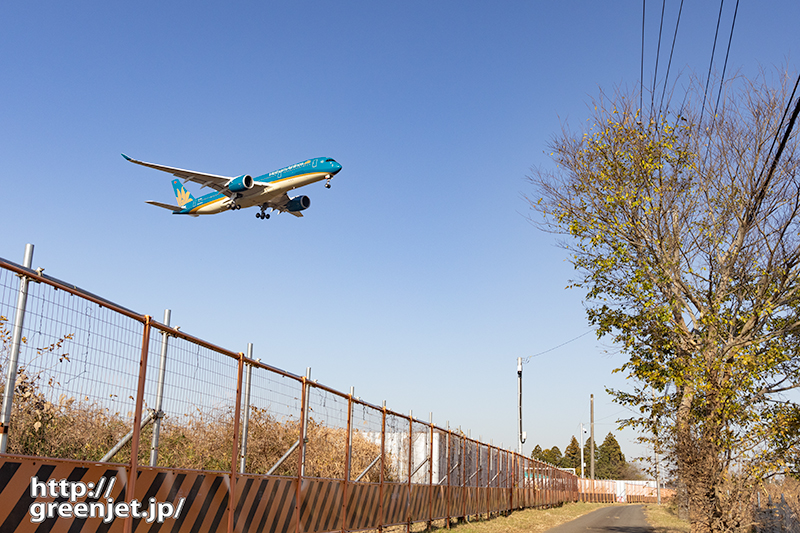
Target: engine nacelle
[[298, 203], [241, 184]]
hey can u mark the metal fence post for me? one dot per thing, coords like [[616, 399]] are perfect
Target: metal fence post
[[488, 480], [430, 476], [162, 366], [302, 455], [137, 416], [463, 476], [410, 454], [235, 444], [304, 424], [513, 480], [477, 477], [383, 464], [16, 341], [448, 501], [348, 452], [246, 421]]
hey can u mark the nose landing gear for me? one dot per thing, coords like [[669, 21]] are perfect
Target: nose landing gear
[[328, 182]]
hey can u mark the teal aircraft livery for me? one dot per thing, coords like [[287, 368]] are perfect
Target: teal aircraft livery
[[269, 192]]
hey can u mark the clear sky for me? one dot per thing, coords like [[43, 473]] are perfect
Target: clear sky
[[417, 278]]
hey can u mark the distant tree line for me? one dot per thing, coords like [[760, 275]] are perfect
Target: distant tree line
[[609, 461]]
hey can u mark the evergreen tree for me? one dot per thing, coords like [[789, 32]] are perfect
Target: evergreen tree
[[572, 456], [610, 462], [552, 456], [537, 453]]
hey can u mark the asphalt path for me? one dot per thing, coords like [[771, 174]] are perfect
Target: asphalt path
[[613, 519]]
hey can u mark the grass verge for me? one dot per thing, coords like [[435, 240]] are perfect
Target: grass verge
[[664, 519], [526, 521]]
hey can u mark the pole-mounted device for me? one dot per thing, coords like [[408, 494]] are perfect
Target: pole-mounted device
[[522, 434]]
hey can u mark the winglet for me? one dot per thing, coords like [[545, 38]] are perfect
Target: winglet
[[126, 157]]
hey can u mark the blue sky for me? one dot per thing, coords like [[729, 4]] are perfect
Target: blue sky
[[417, 277]]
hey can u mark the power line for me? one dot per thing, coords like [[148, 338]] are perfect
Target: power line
[[713, 49], [669, 64], [725, 66], [787, 133], [641, 67], [751, 211], [526, 359], [780, 125], [658, 54]]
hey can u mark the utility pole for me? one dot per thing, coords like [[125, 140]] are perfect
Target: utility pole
[[519, 394], [591, 457]]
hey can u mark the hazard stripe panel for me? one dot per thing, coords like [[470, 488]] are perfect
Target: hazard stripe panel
[[201, 501]]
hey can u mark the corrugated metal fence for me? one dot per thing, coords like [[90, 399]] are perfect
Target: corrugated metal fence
[[217, 440]]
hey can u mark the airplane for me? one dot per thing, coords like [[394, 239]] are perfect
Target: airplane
[[268, 191]]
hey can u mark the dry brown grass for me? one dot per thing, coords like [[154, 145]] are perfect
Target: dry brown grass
[[664, 519], [67, 429], [525, 521], [788, 487], [83, 430], [75, 429]]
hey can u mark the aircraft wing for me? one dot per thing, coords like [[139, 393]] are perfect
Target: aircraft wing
[[218, 183], [279, 204], [173, 208]]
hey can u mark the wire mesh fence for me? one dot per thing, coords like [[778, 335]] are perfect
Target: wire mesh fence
[[96, 383]]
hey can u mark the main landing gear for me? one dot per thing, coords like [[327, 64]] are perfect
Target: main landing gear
[[262, 215]]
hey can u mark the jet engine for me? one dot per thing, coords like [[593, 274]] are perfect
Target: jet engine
[[241, 184], [298, 203]]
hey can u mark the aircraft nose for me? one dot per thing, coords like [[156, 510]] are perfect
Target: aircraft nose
[[336, 167]]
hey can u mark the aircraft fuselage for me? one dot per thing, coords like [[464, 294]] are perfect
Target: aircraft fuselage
[[266, 187]]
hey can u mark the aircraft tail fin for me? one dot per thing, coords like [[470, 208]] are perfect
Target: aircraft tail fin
[[181, 194]]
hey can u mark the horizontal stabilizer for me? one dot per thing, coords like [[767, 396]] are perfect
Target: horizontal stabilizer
[[173, 208]]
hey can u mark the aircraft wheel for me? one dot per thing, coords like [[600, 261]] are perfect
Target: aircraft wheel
[[258, 215], [266, 216]]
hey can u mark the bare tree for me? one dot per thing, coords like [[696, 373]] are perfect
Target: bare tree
[[685, 229]]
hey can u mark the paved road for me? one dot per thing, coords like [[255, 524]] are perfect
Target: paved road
[[614, 519]]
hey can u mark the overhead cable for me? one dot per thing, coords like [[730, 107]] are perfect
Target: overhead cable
[[641, 67], [658, 54], [669, 63], [713, 49], [780, 125], [725, 66], [526, 359]]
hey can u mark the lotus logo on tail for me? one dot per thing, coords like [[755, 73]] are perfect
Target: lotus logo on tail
[[183, 197]]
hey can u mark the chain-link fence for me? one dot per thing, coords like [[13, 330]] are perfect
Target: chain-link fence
[[248, 446]]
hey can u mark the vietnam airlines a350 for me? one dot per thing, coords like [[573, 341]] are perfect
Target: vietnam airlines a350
[[269, 192]]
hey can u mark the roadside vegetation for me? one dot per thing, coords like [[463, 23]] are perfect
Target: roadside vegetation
[[610, 462], [69, 427], [683, 226], [525, 521], [665, 519]]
